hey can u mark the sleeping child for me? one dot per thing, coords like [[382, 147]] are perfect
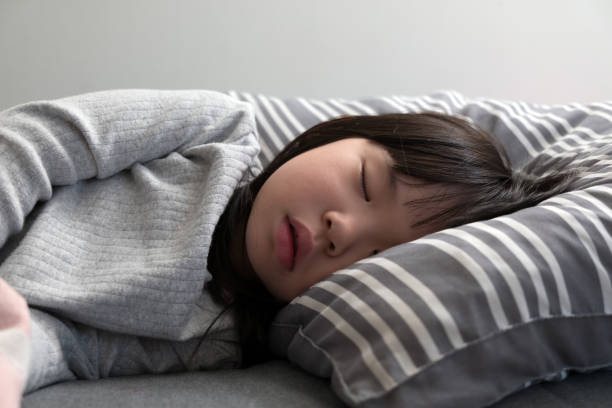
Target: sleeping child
[[145, 238]]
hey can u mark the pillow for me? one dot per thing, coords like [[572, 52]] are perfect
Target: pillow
[[468, 315]]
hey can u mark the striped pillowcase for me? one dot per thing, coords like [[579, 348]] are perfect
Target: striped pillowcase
[[468, 315]]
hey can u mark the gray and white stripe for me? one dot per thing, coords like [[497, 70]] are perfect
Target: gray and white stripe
[[517, 269]]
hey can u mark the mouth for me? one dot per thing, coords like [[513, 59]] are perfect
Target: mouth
[[293, 242], [302, 239], [286, 244]]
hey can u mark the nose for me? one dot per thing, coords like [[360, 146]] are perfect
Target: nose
[[342, 232]]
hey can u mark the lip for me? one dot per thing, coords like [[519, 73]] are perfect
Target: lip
[[303, 240], [285, 244], [293, 242]]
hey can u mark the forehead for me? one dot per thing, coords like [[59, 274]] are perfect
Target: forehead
[[358, 145]]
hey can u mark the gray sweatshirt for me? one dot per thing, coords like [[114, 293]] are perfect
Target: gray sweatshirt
[[130, 186]]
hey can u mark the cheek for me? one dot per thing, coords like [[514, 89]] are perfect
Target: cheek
[[252, 242], [257, 233], [321, 188], [320, 172]]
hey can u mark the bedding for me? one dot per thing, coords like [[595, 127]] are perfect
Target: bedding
[[468, 315]]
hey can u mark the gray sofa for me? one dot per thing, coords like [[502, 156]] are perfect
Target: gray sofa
[[278, 384]]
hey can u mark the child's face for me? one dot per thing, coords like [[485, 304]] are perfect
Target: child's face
[[312, 218]]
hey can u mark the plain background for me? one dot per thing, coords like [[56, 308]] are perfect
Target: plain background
[[542, 51]]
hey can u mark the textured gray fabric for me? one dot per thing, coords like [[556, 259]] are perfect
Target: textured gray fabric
[[466, 316], [274, 384], [578, 391], [133, 183], [277, 384]]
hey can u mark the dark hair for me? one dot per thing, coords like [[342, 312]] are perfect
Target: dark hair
[[432, 147]]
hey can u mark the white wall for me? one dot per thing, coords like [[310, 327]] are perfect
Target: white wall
[[546, 51]]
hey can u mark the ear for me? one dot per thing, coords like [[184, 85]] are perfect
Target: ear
[[215, 290], [227, 296]]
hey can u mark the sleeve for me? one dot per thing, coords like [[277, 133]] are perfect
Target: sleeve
[[63, 350], [52, 143]]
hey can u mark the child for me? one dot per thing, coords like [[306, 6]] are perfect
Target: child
[[360, 184], [155, 252]]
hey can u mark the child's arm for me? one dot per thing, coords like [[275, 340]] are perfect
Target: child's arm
[[52, 143]]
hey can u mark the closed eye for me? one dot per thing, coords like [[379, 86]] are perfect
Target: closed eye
[[364, 185]]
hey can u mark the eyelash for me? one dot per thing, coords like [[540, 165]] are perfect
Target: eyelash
[[365, 194], [363, 183]]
